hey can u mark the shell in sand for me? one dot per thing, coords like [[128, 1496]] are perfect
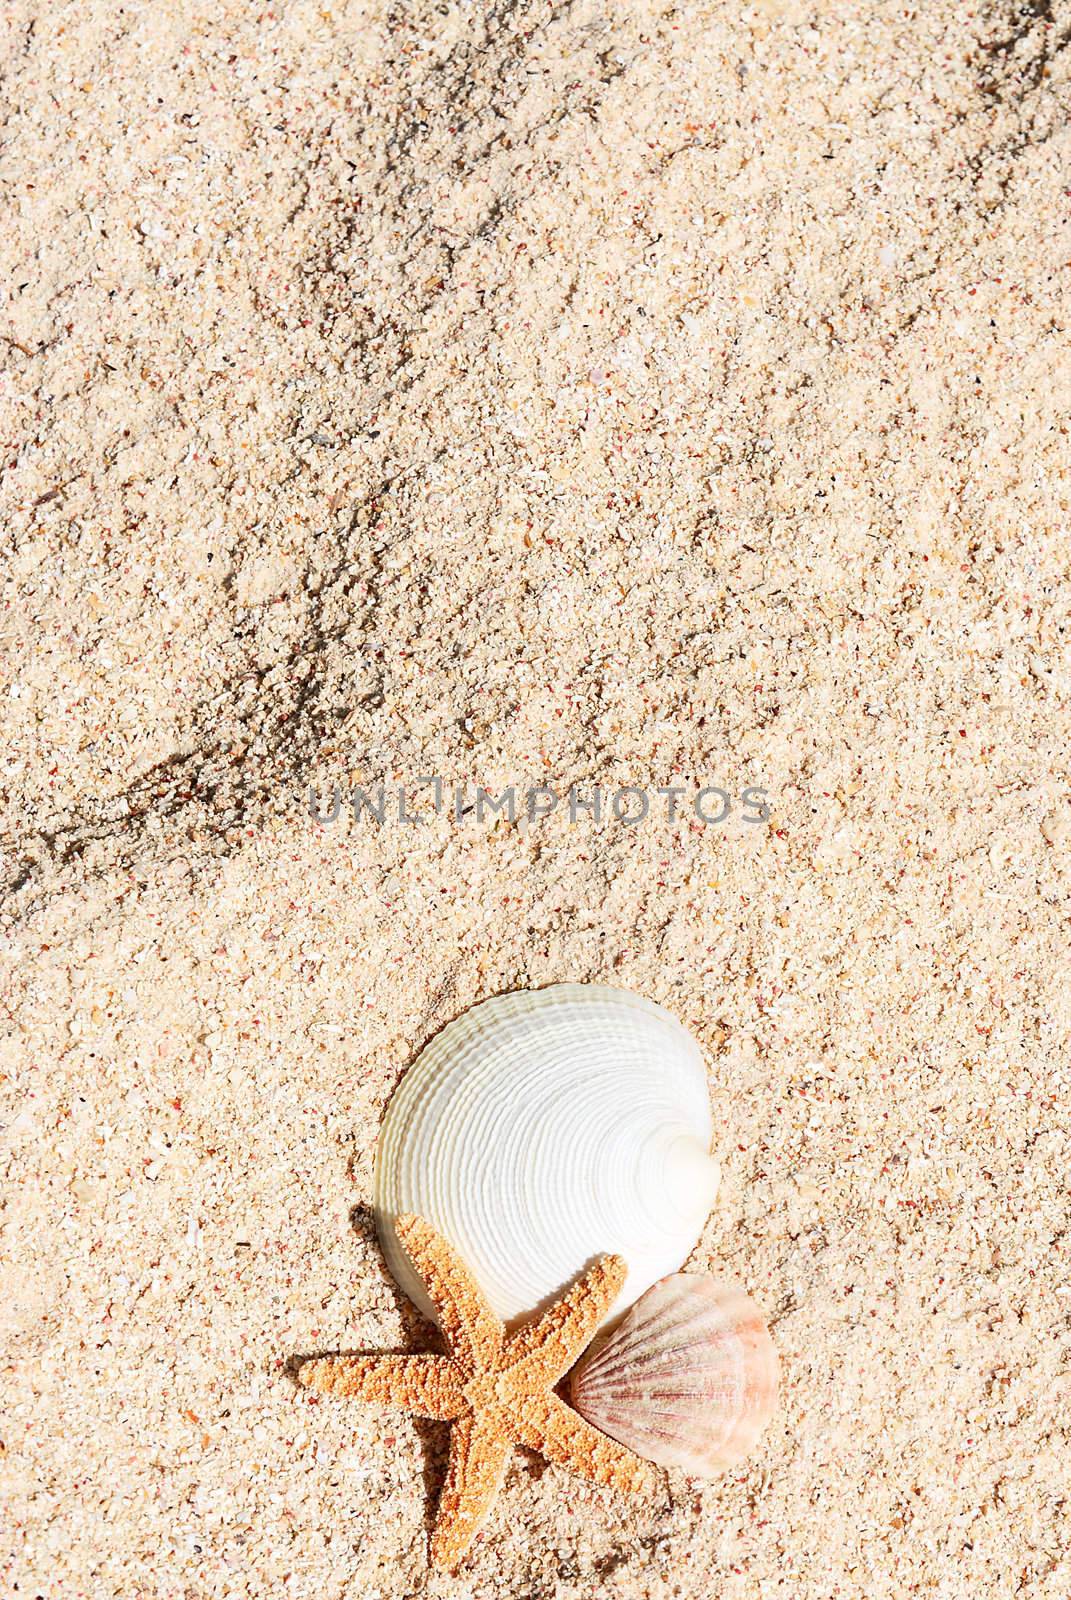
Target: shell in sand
[[688, 1380], [543, 1129]]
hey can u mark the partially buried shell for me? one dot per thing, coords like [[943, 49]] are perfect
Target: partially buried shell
[[543, 1129], [688, 1380]]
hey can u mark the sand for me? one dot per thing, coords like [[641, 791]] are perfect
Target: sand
[[533, 395]]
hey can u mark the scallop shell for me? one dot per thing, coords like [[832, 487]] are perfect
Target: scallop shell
[[688, 1380], [543, 1129]]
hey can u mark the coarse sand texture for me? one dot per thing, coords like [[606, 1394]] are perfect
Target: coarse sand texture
[[638, 396]]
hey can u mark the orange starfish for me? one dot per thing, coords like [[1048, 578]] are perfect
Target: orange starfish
[[497, 1391]]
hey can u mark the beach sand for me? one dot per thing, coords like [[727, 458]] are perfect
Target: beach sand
[[525, 395]]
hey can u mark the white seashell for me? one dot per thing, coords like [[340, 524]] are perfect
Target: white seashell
[[543, 1129], [688, 1380]]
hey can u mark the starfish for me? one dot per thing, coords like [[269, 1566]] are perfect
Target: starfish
[[496, 1391]]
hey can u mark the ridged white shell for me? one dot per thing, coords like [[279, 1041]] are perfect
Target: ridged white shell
[[543, 1129], [688, 1380]]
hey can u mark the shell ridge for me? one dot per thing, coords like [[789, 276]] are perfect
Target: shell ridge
[[641, 1334]]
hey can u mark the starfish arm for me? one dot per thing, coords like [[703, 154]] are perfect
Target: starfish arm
[[472, 1330], [547, 1424], [548, 1347], [428, 1386], [478, 1454]]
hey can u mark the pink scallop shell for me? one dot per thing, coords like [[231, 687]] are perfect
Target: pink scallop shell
[[688, 1379]]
